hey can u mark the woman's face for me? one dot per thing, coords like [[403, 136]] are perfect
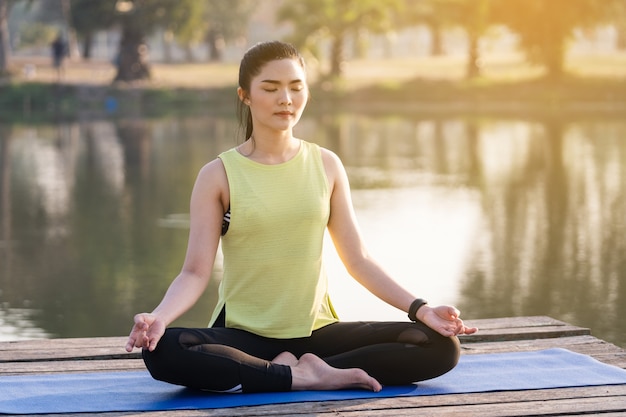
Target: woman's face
[[278, 95]]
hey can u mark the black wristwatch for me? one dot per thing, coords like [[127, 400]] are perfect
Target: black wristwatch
[[415, 305]]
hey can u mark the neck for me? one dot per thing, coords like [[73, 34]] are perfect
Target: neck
[[270, 150]]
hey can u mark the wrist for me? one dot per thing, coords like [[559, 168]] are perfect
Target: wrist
[[417, 305], [160, 317], [422, 312]]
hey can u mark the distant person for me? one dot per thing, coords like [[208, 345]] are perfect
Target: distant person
[[270, 201], [59, 52]]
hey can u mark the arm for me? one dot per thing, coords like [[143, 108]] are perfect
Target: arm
[[347, 239], [209, 200]]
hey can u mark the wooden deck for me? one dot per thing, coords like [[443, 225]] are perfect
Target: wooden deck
[[496, 335]]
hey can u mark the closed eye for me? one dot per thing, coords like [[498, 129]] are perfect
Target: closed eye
[[296, 85]]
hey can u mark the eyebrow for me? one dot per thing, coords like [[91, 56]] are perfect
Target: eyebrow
[[297, 81]]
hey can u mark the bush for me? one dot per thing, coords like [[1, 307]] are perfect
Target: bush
[[34, 35]]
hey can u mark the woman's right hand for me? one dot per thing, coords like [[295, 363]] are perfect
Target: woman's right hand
[[146, 332]]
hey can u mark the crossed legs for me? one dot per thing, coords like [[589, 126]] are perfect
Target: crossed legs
[[341, 355]]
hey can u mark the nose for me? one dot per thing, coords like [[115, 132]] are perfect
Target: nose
[[285, 97]]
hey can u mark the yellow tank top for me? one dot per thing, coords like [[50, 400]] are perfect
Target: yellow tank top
[[274, 281]]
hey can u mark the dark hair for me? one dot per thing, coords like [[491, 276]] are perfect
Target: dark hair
[[251, 64]]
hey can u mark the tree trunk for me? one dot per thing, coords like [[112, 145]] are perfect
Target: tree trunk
[[72, 39], [87, 46], [360, 44], [132, 59], [5, 193], [436, 48], [216, 45], [189, 56], [621, 36], [336, 56], [168, 36], [554, 60], [473, 58], [5, 47]]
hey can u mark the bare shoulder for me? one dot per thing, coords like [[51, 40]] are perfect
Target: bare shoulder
[[213, 169], [332, 162], [329, 156], [213, 182], [335, 170]]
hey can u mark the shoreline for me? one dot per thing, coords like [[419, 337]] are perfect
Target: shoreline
[[431, 87], [28, 102]]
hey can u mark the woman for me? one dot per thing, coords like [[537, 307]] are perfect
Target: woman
[[270, 200]]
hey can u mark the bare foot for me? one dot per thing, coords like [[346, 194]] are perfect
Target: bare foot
[[312, 373], [286, 358]]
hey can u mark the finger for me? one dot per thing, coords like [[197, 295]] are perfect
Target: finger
[[446, 330], [130, 344], [471, 330], [152, 344], [138, 318]]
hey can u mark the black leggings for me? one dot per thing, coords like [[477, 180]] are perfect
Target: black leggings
[[232, 360]]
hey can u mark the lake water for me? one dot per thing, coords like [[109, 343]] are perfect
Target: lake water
[[499, 216]]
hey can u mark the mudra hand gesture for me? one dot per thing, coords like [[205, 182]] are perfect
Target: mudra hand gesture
[[445, 320], [146, 332]]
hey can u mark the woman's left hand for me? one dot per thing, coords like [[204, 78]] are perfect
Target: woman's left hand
[[445, 320]]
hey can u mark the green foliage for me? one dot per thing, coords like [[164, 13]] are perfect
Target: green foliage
[[229, 18], [328, 17], [316, 20], [474, 16], [36, 34], [545, 27], [179, 16], [186, 23], [88, 16], [34, 100]]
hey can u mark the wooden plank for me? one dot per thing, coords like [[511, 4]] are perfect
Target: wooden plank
[[66, 349], [517, 403], [571, 407], [524, 334], [60, 367], [514, 328], [63, 343], [507, 323], [496, 335], [113, 348], [587, 345], [521, 328], [431, 405], [515, 322]]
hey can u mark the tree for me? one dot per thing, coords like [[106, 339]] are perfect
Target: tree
[[545, 27], [186, 25], [132, 56], [472, 15], [89, 16], [5, 49], [225, 21], [617, 13], [314, 20], [475, 19], [140, 19], [431, 13]]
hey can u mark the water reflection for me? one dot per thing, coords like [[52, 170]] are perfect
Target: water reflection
[[501, 217]]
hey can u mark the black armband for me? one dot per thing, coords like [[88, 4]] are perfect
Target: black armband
[[415, 305]]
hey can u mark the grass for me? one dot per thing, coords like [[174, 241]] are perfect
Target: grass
[[439, 83]]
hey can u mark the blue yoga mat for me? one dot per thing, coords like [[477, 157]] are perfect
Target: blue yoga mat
[[137, 391]]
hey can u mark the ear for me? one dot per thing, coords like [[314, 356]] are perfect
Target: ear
[[243, 96]]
